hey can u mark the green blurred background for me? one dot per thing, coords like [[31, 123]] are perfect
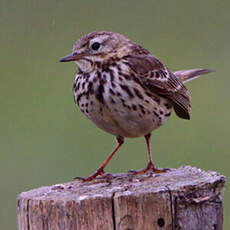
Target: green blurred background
[[44, 139]]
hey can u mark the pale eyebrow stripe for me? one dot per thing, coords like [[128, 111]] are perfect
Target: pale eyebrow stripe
[[105, 41]]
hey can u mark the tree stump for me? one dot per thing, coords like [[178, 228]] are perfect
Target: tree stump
[[184, 198]]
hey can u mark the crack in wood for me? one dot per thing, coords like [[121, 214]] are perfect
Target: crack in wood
[[113, 211], [27, 214], [171, 206]]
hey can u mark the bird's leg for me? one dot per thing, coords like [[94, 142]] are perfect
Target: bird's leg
[[100, 170], [150, 167]]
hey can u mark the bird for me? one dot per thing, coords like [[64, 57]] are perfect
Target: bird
[[126, 91]]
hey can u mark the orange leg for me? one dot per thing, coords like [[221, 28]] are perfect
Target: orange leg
[[100, 170], [150, 166]]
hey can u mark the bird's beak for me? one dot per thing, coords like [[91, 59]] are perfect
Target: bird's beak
[[72, 57]]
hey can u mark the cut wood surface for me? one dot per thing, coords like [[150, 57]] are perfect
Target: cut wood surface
[[184, 198]]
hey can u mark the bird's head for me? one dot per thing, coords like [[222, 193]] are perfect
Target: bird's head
[[98, 47]]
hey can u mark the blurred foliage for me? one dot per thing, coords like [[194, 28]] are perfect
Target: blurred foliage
[[44, 139]]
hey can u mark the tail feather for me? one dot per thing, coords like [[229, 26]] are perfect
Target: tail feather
[[188, 75]]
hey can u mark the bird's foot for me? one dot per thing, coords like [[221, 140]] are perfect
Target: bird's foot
[[99, 172], [150, 168]]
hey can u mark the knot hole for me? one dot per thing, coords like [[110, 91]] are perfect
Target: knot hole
[[161, 222]]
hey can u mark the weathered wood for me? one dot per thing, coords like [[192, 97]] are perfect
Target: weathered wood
[[185, 198]]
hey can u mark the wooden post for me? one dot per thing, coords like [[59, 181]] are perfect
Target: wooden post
[[184, 198]]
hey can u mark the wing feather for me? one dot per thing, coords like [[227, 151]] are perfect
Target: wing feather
[[160, 80]]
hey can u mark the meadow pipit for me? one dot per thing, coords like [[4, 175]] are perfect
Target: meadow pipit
[[125, 90]]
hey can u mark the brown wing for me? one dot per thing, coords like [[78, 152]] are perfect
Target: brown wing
[[160, 80]]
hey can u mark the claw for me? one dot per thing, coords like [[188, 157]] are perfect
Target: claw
[[150, 168], [99, 172]]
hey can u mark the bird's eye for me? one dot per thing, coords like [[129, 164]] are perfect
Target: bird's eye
[[96, 45]]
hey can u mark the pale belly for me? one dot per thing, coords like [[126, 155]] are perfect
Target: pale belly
[[126, 123], [130, 119], [121, 111]]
